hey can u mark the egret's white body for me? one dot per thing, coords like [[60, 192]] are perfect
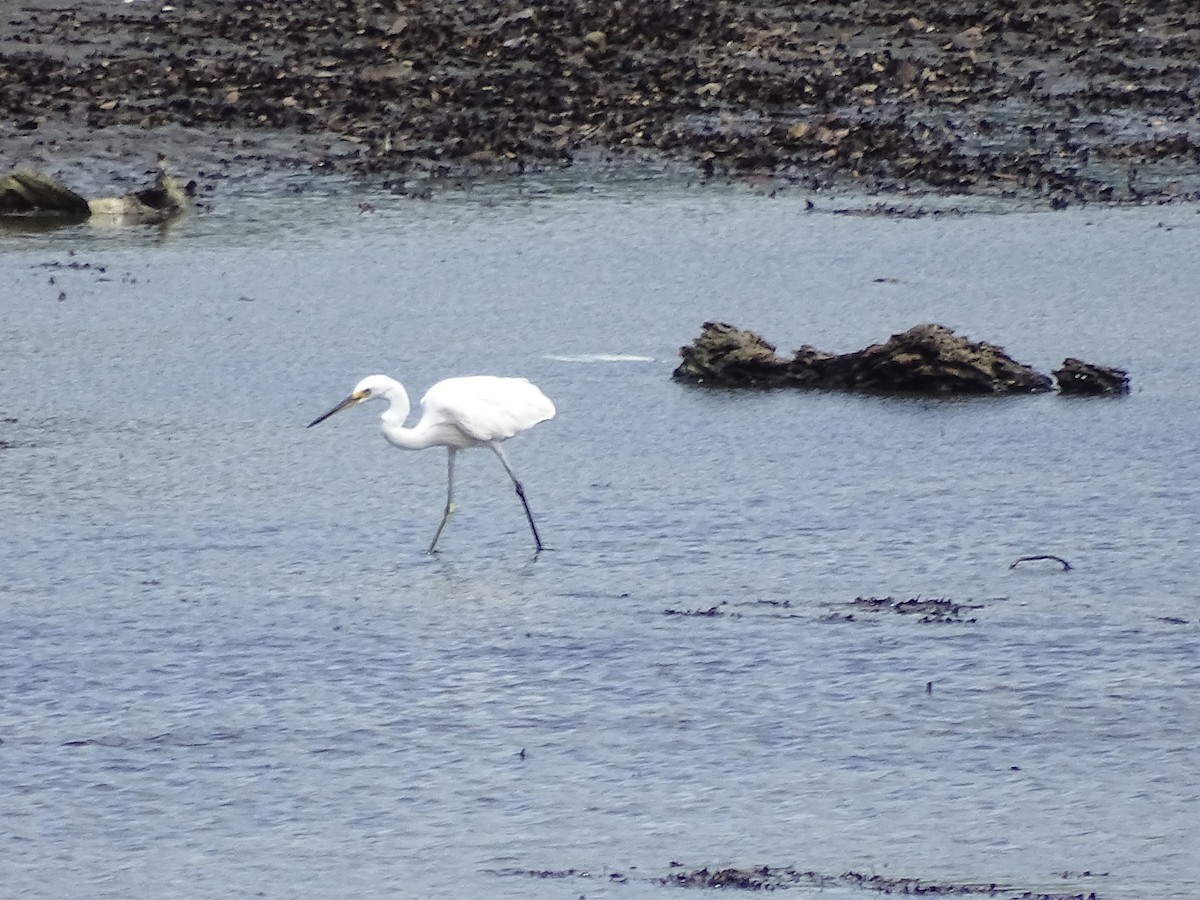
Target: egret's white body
[[458, 413]]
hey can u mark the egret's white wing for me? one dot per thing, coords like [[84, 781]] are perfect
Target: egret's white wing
[[487, 407]]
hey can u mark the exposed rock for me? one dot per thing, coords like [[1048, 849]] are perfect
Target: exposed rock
[[809, 366], [724, 355], [932, 359], [1081, 378], [927, 359]]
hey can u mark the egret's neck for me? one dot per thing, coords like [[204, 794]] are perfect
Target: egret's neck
[[404, 438], [393, 417], [420, 436]]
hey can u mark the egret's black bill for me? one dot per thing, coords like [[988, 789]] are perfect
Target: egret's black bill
[[352, 400]]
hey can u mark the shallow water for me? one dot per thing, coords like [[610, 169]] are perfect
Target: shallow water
[[228, 668]]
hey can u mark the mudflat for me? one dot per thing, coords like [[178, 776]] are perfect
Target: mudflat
[[1069, 102]]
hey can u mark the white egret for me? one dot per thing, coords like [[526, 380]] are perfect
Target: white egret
[[458, 413]]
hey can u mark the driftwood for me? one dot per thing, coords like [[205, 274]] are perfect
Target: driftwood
[[1066, 565], [26, 192], [32, 194], [927, 359]]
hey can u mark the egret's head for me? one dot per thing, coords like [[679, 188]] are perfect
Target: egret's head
[[371, 386]]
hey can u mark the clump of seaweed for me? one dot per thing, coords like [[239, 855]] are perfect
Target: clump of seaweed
[[937, 610]]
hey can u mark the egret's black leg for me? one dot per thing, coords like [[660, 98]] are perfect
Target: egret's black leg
[[449, 511], [537, 540]]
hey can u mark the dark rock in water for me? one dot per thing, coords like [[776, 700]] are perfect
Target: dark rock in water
[[728, 356], [1086, 379], [927, 359], [810, 367], [932, 359]]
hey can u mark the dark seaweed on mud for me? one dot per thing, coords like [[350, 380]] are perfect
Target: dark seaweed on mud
[[769, 878], [936, 610], [772, 878], [1081, 101]]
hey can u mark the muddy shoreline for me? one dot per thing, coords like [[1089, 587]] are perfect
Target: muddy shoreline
[[1066, 103]]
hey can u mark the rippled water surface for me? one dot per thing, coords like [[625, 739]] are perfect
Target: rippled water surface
[[227, 667]]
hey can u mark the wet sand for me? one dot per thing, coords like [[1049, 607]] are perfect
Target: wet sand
[[1088, 101]]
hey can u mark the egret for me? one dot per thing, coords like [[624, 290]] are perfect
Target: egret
[[458, 413]]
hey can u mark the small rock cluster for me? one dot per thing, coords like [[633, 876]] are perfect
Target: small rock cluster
[[1088, 379]]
